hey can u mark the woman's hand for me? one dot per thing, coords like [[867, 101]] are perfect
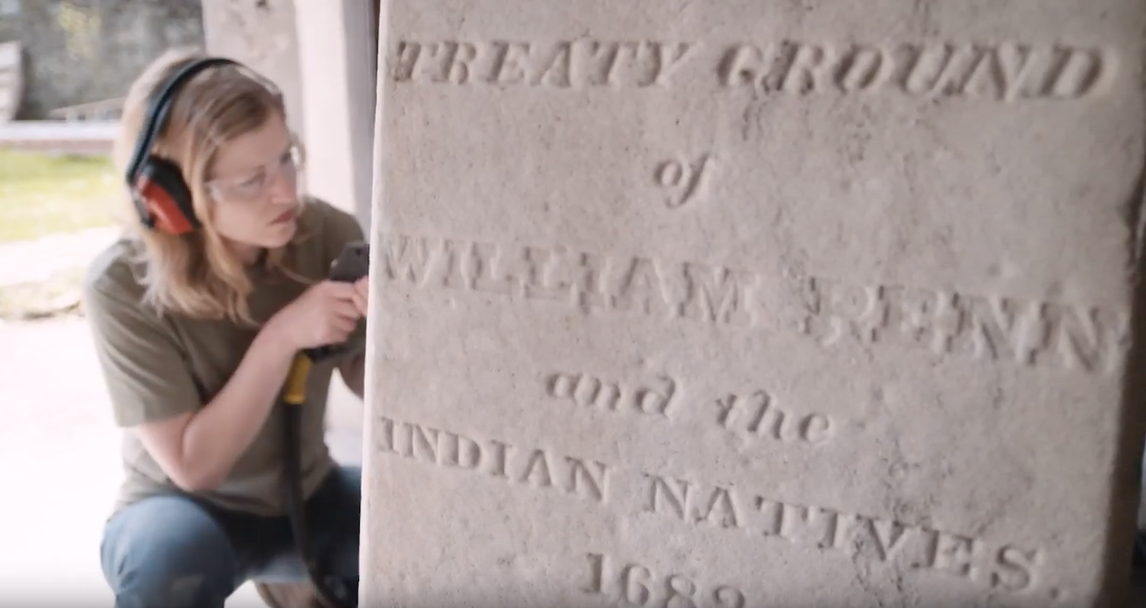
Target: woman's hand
[[362, 295], [326, 313]]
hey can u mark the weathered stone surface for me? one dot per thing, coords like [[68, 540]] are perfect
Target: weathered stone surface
[[738, 303], [80, 52], [261, 34]]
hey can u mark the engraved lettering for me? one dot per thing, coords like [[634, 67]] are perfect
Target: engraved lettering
[[888, 535], [806, 66], [718, 295], [1076, 72], [728, 597], [716, 507], [932, 69], [657, 401], [979, 80], [680, 588], [1007, 72], [537, 471], [685, 180], [424, 444], [549, 275], [757, 415], [720, 510], [1005, 328], [608, 56], [1087, 339], [633, 584], [386, 435], [559, 72], [1012, 67], [596, 573], [591, 391], [485, 272], [537, 468], [953, 553], [581, 476], [668, 59], [406, 62], [639, 585], [454, 265], [791, 520], [500, 456], [675, 491], [941, 322], [459, 56], [864, 69], [407, 433], [725, 405], [816, 429], [835, 528], [856, 311], [592, 295], [783, 520], [742, 65], [407, 259], [511, 62], [644, 290], [733, 509], [555, 64], [461, 452], [1015, 569], [1029, 333], [653, 398]]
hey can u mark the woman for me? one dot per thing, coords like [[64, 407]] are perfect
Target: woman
[[196, 316]]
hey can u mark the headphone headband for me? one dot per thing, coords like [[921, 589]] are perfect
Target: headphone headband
[[158, 109]]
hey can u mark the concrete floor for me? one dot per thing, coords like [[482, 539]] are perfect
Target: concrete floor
[[61, 468]]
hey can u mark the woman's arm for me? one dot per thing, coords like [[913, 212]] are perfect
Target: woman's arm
[[198, 449], [201, 449], [153, 393]]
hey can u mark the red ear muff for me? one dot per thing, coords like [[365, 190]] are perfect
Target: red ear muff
[[164, 197], [161, 197]]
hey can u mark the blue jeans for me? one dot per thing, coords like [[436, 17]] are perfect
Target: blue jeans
[[172, 551]]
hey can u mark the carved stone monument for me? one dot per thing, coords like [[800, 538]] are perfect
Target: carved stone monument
[[739, 303]]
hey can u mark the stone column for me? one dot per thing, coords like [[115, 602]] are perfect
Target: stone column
[[262, 35], [338, 45], [741, 303], [337, 42]]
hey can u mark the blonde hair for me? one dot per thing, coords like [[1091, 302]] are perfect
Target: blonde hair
[[194, 274]]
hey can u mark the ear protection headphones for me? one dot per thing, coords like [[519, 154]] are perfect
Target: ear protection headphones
[[160, 194]]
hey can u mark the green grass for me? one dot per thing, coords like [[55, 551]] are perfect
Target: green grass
[[43, 194]]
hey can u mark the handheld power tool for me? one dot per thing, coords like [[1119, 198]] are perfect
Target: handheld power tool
[[352, 264]]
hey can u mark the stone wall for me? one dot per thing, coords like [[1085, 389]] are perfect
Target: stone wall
[[79, 51]]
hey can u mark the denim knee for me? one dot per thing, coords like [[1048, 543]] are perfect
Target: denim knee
[[167, 551]]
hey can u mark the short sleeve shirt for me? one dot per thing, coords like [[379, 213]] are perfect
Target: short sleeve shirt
[[157, 366]]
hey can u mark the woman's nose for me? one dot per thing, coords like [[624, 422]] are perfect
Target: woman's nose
[[283, 186]]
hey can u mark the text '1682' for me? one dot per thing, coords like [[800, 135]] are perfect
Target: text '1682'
[[639, 585]]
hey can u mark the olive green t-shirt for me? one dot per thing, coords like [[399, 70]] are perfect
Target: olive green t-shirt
[[157, 366]]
